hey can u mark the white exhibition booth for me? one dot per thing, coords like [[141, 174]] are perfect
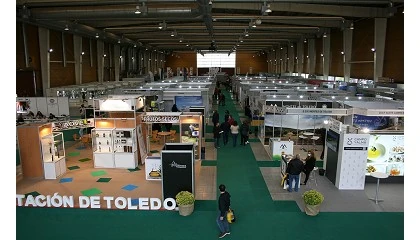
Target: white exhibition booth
[[46, 105]]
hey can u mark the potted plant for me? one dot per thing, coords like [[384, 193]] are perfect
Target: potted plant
[[185, 201], [312, 200]]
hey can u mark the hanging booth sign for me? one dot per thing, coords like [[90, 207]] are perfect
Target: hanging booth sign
[[385, 112], [72, 124], [316, 111], [159, 119], [334, 125]]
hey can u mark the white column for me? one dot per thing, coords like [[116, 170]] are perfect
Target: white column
[[300, 57], [100, 60], [44, 45], [326, 50], [380, 35], [117, 62], [78, 61], [347, 48], [312, 56], [291, 56]]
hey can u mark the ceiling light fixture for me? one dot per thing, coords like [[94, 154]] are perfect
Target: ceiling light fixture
[[325, 35], [66, 28], [351, 26], [265, 9], [50, 50], [174, 33], [137, 10], [97, 35], [373, 49], [83, 53], [210, 2], [162, 25], [246, 34]]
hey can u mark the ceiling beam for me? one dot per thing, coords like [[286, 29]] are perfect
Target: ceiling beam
[[328, 10]]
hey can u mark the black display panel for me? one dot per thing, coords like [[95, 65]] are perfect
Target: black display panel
[[332, 140], [331, 168], [177, 172]]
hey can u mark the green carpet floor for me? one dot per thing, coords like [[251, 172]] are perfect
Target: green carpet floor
[[258, 217]]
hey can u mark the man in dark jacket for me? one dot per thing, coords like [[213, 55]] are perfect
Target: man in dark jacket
[[225, 128], [216, 135], [309, 165], [215, 117], [224, 205], [244, 130], [294, 168]]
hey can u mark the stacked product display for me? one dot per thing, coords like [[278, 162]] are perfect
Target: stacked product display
[[53, 155], [114, 148]]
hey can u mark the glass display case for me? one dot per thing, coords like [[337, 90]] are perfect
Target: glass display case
[[102, 140], [124, 141], [53, 155], [125, 148], [53, 147], [102, 146]]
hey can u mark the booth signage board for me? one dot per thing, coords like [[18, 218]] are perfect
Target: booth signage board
[[185, 102], [116, 105], [159, 119], [386, 154], [385, 112], [177, 172], [351, 165], [280, 148], [316, 111], [371, 122], [73, 124], [334, 125]]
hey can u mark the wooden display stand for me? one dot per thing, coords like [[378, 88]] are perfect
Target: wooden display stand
[[33, 159]]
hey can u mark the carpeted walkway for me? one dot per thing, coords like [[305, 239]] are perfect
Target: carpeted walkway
[[258, 217]]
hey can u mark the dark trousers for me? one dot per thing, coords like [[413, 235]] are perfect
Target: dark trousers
[[307, 173], [225, 137], [244, 138]]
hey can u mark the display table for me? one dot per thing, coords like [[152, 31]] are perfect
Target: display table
[[378, 175], [164, 134]]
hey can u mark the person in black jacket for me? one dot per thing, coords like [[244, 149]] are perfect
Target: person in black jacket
[[309, 165], [216, 135], [215, 117], [244, 130], [224, 205], [294, 168], [225, 128]]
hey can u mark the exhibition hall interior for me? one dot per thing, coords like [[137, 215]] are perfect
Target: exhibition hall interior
[[121, 106]]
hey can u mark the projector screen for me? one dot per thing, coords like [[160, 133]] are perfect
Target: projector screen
[[216, 60]]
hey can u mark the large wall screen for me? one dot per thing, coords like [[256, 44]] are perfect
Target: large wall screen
[[209, 60]]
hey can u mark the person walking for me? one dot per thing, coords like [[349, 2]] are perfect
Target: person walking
[[216, 135], [226, 129], [309, 165], [227, 115], [294, 168], [244, 133], [234, 129], [215, 117], [224, 205]]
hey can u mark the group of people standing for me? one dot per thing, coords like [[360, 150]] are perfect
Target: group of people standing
[[296, 166], [229, 127]]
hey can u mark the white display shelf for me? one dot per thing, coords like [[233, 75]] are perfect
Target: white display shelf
[[102, 141], [53, 155]]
